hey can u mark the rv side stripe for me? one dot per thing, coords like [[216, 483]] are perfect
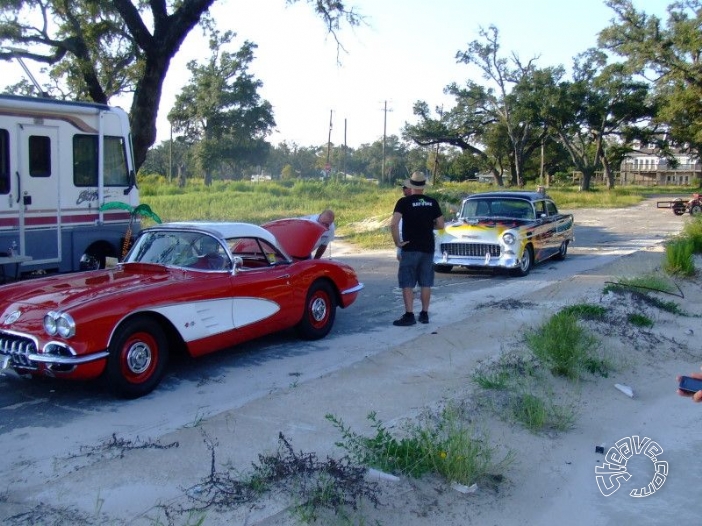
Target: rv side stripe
[[87, 219]]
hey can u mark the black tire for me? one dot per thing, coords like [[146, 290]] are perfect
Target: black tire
[[562, 251], [320, 312], [95, 256], [678, 207], [695, 209], [138, 357], [525, 263], [443, 269]]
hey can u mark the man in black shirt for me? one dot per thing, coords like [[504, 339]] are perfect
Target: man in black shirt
[[420, 215]]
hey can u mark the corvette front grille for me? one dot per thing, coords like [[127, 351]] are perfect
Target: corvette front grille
[[18, 349], [477, 250]]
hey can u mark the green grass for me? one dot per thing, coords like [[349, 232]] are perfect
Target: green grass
[[449, 448], [562, 344], [678, 257], [640, 320], [538, 413], [362, 208]]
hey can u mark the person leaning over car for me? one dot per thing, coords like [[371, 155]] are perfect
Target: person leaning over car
[[326, 219], [420, 215]]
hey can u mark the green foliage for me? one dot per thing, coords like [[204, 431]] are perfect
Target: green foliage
[[537, 414], [645, 297], [693, 231], [449, 449], [678, 257], [562, 344], [492, 379], [648, 282], [639, 320], [586, 311]]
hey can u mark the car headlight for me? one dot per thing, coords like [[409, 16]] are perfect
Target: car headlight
[[508, 238], [59, 323]]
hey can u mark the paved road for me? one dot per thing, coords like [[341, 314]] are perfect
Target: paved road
[[75, 414]]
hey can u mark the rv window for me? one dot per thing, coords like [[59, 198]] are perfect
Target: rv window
[[85, 161], [4, 162], [39, 156]]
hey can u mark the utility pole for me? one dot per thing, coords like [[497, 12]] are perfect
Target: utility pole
[[385, 123], [170, 155], [327, 167], [344, 150]]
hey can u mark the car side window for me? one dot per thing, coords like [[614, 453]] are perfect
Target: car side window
[[254, 252], [540, 208], [551, 208]]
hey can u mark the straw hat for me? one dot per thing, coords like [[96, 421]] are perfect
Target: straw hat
[[417, 181]]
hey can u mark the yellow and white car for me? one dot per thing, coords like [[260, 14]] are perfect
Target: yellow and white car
[[508, 230]]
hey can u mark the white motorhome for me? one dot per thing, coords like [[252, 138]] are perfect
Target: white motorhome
[[59, 163]]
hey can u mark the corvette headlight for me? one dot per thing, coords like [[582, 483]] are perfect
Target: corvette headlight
[[59, 323], [50, 323], [508, 238]]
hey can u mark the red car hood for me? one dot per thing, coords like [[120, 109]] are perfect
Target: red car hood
[[70, 290], [297, 236]]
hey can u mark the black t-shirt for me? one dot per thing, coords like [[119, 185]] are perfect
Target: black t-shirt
[[418, 214]]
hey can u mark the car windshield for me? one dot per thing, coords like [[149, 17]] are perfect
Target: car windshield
[[180, 249], [497, 208]]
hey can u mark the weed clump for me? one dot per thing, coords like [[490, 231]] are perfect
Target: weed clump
[[562, 344], [449, 449]]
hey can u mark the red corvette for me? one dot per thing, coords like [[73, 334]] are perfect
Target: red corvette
[[192, 287]]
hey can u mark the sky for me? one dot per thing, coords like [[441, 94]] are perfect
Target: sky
[[404, 52]]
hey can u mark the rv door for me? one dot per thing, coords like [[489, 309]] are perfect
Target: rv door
[[38, 193]]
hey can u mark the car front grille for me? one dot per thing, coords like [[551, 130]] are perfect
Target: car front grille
[[18, 349], [477, 250]]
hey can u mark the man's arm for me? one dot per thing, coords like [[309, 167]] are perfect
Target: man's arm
[[320, 251], [395, 229]]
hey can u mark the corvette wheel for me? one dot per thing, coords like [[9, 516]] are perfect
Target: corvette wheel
[[137, 360], [525, 263], [320, 312], [562, 251], [696, 209]]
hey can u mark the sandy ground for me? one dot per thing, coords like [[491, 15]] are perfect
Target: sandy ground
[[550, 480]]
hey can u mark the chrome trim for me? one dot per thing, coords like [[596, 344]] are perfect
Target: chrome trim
[[65, 360], [352, 289]]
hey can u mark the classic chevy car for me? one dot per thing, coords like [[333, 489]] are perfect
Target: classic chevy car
[[183, 287], [510, 230]]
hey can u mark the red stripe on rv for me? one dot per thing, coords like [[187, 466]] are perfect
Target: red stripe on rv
[[88, 219]]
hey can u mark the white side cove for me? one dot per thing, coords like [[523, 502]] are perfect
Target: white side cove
[[207, 318]]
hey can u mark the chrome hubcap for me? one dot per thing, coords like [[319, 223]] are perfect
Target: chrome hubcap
[[139, 358], [318, 309]]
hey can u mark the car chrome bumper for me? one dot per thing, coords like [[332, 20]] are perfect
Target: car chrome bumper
[[352, 290], [505, 261], [20, 350]]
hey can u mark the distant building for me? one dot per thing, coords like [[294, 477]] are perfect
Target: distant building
[[646, 167], [260, 178]]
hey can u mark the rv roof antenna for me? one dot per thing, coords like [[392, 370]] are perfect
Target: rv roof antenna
[[15, 53]]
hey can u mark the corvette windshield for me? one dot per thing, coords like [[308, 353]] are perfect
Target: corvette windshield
[[180, 249]]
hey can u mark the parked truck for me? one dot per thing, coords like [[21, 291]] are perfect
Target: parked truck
[[60, 162]]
